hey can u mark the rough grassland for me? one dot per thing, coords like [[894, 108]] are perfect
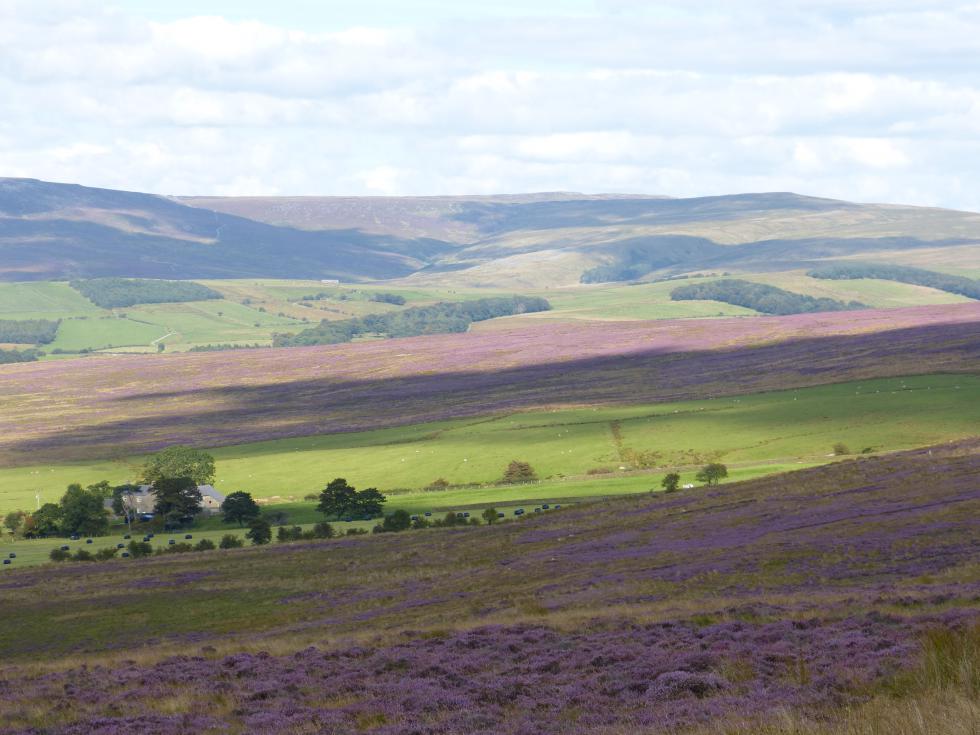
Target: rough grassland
[[752, 432], [822, 591], [62, 411]]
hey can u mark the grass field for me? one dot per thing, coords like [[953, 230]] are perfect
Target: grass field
[[43, 300], [503, 498], [755, 433], [253, 310]]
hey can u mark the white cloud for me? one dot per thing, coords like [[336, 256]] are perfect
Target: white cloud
[[862, 99]]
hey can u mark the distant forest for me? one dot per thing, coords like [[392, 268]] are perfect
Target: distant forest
[[114, 293], [439, 318], [9, 356], [758, 296], [901, 273], [28, 331]]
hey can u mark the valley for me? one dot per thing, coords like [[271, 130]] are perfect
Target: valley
[[838, 413]]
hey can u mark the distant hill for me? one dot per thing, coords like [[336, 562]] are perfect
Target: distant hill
[[65, 231], [553, 239]]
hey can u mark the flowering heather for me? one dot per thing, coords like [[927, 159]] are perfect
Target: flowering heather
[[102, 407], [809, 591]]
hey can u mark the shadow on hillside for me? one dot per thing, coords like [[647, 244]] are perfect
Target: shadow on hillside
[[240, 414]]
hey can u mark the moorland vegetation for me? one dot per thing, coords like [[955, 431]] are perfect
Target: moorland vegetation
[[828, 600]]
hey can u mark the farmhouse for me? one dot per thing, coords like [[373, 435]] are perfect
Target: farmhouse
[[143, 500]]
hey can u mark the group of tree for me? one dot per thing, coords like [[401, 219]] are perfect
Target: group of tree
[[114, 293], [139, 549], [441, 318], [960, 285], [388, 298], [710, 474], [11, 356], [341, 500], [81, 511], [175, 474], [518, 472], [760, 297], [28, 331]]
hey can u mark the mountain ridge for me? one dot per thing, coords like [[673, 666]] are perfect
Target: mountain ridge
[[61, 231]]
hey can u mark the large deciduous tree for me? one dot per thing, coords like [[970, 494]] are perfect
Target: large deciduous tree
[[339, 500], [518, 472], [177, 499], [14, 520], [82, 512], [710, 474], [45, 521], [239, 507], [259, 531], [177, 462]]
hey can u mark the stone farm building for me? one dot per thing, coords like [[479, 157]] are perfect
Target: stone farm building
[[143, 500]]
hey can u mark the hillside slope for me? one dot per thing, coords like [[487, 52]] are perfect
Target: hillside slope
[[61, 231], [816, 591], [50, 231], [106, 407], [551, 239]]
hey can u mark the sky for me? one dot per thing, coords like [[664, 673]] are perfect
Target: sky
[[864, 100]]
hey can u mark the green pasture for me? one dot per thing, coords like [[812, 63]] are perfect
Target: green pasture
[[755, 433], [880, 294], [276, 306], [503, 498], [622, 301], [43, 300]]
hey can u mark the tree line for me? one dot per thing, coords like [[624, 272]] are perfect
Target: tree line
[[901, 273], [28, 331], [11, 356], [441, 318], [114, 293], [760, 297]]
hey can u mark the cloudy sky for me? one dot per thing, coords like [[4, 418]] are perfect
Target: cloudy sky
[[868, 100]]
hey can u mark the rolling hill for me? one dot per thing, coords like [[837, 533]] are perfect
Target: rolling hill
[[60, 231], [785, 605], [552, 239]]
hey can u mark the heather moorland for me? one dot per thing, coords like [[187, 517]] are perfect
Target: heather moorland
[[827, 600]]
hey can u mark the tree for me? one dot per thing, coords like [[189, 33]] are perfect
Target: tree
[[400, 520], [518, 472], [840, 449], [671, 482], [710, 474], [179, 461], [14, 520], [368, 502], [82, 512], [102, 489], [259, 531], [138, 549], [230, 541], [338, 499], [45, 521], [177, 499], [490, 516], [239, 507]]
